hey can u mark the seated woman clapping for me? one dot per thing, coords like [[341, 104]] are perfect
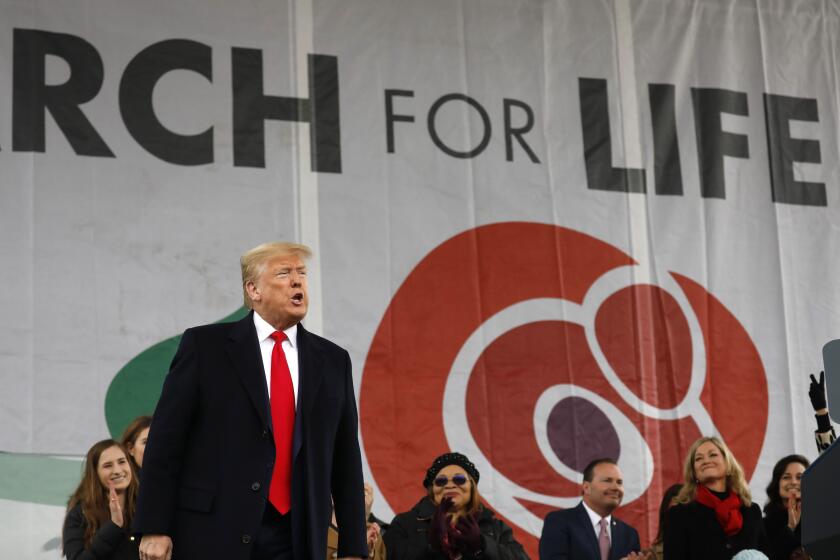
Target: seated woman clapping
[[99, 513], [784, 508], [450, 521]]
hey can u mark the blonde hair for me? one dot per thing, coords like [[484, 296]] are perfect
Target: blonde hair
[[253, 261], [735, 479]]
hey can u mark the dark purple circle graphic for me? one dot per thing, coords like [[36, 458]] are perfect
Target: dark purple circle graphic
[[574, 420]]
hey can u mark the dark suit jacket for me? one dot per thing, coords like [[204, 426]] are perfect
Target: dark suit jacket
[[568, 535], [208, 461], [692, 532]]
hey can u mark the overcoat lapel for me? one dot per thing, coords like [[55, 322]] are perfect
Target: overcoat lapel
[[586, 529], [310, 375], [244, 350]]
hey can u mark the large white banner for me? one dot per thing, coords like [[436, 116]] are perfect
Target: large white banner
[[545, 231]]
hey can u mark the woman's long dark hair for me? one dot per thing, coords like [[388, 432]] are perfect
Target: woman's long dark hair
[[774, 499], [93, 497]]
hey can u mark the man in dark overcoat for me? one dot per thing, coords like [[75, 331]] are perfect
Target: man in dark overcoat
[[255, 431]]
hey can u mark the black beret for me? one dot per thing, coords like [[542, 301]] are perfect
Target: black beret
[[450, 459]]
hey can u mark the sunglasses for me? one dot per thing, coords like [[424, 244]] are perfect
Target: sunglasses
[[458, 479]]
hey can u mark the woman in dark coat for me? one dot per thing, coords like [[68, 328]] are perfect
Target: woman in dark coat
[[450, 521], [713, 517], [784, 507], [99, 512]]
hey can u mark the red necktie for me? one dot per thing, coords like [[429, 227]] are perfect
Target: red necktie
[[283, 423]]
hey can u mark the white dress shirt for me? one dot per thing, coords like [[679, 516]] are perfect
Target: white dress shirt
[[596, 520], [264, 331]]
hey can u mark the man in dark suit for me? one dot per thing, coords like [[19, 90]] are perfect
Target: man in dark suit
[[254, 433], [589, 531]]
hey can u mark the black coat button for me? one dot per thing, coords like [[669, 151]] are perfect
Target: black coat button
[[246, 539], [255, 486], [265, 433]]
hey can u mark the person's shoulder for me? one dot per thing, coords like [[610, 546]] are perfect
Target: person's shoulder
[[754, 509], [75, 511], [398, 518], [402, 518], [74, 517], [319, 343], [624, 525], [421, 510], [681, 510], [562, 516], [214, 333], [487, 515], [212, 328]]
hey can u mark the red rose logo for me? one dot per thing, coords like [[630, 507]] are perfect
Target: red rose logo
[[530, 348]]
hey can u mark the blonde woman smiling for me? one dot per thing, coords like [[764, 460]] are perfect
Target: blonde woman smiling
[[714, 517]]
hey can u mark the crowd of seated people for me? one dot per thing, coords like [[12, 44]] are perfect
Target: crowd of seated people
[[709, 515]]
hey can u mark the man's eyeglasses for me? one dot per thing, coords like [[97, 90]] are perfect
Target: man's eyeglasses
[[457, 479]]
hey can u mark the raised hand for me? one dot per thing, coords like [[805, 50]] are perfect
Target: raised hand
[[816, 392], [439, 528], [794, 508], [466, 536], [114, 506], [373, 532]]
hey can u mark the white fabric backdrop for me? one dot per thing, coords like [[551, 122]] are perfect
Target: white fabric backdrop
[[107, 256]]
